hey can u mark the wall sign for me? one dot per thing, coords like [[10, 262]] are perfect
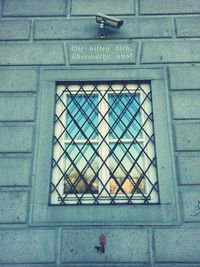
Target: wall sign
[[102, 53]]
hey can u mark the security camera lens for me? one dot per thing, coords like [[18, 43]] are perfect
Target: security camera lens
[[120, 23]]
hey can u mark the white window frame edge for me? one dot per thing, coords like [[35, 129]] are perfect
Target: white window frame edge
[[150, 149]]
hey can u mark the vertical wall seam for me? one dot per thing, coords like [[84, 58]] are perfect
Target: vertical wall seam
[[37, 113], [32, 30], [58, 252], [172, 142], [66, 54], [1, 8], [139, 53], [68, 8], [35, 141], [174, 27], [151, 246], [181, 205], [136, 3]]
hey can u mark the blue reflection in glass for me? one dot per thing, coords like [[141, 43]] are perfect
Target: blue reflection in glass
[[82, 116], [124, 115]]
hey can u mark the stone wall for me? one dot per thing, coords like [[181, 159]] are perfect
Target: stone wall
[[39, 34]]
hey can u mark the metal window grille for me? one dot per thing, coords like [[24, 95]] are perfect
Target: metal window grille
[[104, 144]]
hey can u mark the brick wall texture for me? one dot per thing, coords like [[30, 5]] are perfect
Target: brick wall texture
[[38, 34]]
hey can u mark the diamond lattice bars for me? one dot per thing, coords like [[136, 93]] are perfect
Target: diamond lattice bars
[[104, 151]]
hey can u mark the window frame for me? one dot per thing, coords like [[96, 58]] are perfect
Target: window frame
[[164, 213], [147, 130]]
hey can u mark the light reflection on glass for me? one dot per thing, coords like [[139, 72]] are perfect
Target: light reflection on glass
[[123, 109], [82, 162], [82, 114], [122, 170], [81, 171]]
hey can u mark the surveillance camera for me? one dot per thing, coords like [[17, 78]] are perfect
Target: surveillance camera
[[109, 20]]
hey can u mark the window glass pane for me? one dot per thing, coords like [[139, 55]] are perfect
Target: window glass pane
[[126, 164], [82, 116], [124, 115], [81, 169]]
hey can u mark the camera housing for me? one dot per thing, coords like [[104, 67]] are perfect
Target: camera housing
[[109, 20]]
